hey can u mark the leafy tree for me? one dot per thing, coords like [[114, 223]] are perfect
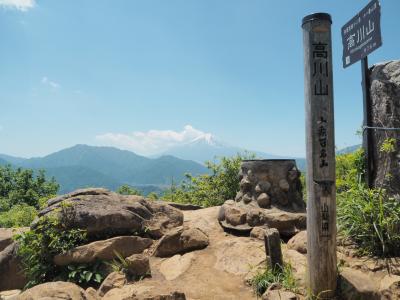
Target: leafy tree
[[210, 189], [128, 190], [22, 192]]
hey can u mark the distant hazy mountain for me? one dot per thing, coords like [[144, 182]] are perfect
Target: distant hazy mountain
[[84, 166], [207, 147], [349, 149]]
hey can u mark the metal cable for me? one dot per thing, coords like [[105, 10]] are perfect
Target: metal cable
[[379, 128]]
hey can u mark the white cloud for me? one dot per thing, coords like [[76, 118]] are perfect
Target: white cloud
[[152, 141], [22, 5], [47, 81]]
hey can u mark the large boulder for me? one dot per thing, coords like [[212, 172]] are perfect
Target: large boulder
[[11, 271], [104, 250], [103, 213], [385, 98], [58, 290], [298, 242], [181, 240]]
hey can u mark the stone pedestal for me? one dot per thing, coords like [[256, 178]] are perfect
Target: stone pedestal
[[271, 183], [270, 195]]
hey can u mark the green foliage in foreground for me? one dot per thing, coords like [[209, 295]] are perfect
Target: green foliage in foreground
[[264, 279], [23, 186], [368, 217], [85, 274], [210, 189], [128, 190], [22, 192], [38, 246], [19, 215], [371, 219]]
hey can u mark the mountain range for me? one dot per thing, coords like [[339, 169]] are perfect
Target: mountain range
[[84, 166], [207, 147]]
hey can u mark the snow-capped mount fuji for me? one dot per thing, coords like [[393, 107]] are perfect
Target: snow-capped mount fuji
[[208, 148]]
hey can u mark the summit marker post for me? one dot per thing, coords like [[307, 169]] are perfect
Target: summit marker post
[[320, 146]]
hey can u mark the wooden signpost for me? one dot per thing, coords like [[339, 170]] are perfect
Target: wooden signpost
[[320, 146], [360, 36]]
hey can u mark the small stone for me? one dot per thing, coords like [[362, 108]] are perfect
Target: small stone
[[92, 293], [255, 217], [293, 174], [113, 280], [235, 216], [247, 198], [263, 200], [258, 232], [239, 196], [245, 185], [264, 185], [284, 185], [279, 295], [138, 265]]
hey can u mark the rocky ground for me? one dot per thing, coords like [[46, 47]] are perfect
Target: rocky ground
[[187, 253]]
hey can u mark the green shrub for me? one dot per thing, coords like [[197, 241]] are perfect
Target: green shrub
[[262, 280], [350, 170], [85, 274], [18, 216], [371, 219], [128, 190], [152, 195], [210, 189], [38, 246]]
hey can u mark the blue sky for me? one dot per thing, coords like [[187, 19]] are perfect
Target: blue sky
[[141, 74]]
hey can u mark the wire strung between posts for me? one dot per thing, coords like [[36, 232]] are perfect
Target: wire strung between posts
[[380, 128]]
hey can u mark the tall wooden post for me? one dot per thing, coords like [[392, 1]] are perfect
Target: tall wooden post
[[320, 146]]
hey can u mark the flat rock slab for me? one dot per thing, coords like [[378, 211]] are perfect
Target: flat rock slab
[[238, 256], [176, 265], [104, 250]]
